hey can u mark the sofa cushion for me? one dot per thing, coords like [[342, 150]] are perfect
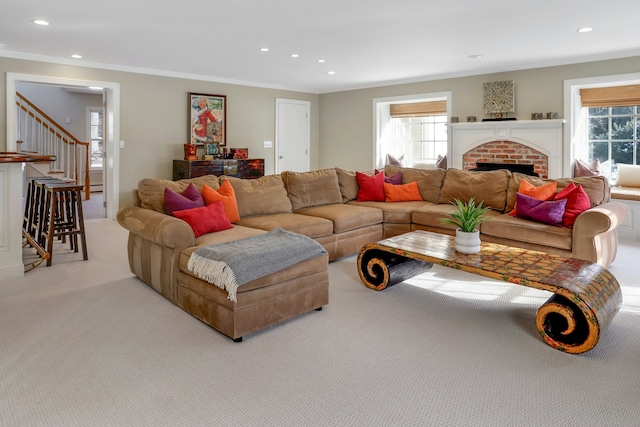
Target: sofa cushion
[[348, 184], [260, 196], [151, 190], [345, 217], [429, 181], [397, 213], [628, 175], [190, 198], [488, 187], [596, 187], [430, 215], [508, 227], [205, 219], [302, 224], [314, 188]]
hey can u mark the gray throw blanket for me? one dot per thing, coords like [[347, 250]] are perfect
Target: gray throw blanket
[[232, 264]]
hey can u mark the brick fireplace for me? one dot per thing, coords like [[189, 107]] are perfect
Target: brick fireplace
[[508, 153], [537, 142]]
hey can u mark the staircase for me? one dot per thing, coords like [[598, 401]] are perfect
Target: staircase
[[39, 133]]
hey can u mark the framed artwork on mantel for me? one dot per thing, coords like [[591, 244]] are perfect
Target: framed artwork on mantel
[[207, 119]]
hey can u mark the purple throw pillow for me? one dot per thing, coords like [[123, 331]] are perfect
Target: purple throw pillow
[[547, 212], [395, 179], [189, 199]]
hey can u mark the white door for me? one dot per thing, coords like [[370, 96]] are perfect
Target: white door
[[293, 135]]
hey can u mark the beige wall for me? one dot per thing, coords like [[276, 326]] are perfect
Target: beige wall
[[346, 124], [153, 117], [154, 112]]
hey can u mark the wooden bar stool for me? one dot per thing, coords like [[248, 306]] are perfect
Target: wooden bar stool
[[62, 218]]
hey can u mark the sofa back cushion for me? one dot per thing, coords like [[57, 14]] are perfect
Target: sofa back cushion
[[488, 187], [261, 196], [429, 181], [596, 187], [151, 190], [314, 188]]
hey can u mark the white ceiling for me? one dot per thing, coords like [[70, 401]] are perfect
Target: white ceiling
[[367, 43]]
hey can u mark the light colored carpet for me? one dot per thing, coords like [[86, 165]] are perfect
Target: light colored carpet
[[83, 343]]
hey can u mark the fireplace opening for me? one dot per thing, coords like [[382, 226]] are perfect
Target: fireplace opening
[[527, 169]]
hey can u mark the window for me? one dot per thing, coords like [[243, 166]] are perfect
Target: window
[[95, 131], [612, 125], [614, 134], [414, 126], [421, 139]]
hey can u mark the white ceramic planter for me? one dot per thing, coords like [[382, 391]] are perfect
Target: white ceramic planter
[[468, 243]]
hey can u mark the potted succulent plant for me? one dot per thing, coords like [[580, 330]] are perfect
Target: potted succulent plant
[[466, 217]]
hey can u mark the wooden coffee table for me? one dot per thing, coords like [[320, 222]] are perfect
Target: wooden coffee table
[[585, 299]]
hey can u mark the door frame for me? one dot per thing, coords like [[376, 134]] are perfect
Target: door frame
[[307, 104], [112, 129]]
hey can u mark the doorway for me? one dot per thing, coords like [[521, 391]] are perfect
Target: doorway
[[293, 129], [111, 93]]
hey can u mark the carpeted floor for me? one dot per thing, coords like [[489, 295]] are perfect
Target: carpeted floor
[[83, 343]]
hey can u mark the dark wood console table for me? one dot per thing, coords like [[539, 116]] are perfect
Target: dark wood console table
[[585, 299], [239, 168]]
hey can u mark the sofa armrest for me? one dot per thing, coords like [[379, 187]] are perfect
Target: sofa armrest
[[159, 228], [595, 237]]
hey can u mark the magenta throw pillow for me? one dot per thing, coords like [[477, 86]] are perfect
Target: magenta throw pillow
[[545, 211], [190, 198]]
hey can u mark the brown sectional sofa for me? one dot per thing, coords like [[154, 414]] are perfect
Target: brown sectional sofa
[[323, 205]]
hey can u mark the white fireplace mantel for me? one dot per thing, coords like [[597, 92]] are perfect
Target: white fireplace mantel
[[542, 135]]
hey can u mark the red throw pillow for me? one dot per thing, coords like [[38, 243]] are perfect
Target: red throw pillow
[[205, 219], [544, 192], [227, 196], [577, 202], [371, 187], [188, 199], [402, 193]]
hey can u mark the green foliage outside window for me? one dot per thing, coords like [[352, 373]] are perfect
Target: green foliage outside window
[[614, 133]]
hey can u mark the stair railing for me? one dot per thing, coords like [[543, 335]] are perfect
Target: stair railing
[[39, 133]]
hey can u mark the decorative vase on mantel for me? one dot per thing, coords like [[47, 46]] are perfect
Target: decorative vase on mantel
[[467, 242]]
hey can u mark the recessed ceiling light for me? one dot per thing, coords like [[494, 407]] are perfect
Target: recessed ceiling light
[[40, 22], [76, 56], [476, 56], [585, 29], [295, 55], [321, 60], [331, 72], [264, 49]]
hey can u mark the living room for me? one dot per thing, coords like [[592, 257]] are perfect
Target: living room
[[91, 345]]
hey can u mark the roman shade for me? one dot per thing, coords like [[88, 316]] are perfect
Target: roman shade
[[614, 96], [419, 109]]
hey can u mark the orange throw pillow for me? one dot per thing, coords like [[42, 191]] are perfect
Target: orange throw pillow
[[402, 193], [227, 196], [544, 192]]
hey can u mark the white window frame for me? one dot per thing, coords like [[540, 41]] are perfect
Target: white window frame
[[575, 143], [382, 117]]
